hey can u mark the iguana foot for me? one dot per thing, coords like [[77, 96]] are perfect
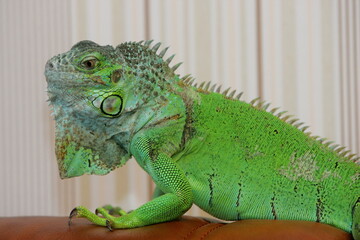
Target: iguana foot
[[107, 213], [106, 219]]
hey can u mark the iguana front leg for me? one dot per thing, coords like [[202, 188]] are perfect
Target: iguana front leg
[[175, 201]]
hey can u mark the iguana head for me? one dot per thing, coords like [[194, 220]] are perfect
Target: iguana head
[[98, 94]]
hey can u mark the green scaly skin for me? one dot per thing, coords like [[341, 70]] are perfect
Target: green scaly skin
[[235, 160]]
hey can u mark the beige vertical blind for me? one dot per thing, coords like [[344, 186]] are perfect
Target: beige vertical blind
[[301, 55]]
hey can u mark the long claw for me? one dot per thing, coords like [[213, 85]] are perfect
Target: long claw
[[108, 225], [73, 213]]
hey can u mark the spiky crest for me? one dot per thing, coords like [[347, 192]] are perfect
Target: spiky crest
[[162, 53], [155, 48], [212, 89], [176, 66], [231, 95], [201, 85], [257, 103], [226, 92], [206, 88]]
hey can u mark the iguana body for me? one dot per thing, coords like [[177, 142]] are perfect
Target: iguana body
[[235, 160]]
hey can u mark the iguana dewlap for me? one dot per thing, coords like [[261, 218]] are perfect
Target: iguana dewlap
[[236, 160]]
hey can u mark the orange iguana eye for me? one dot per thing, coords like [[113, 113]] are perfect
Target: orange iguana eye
[[89, 63]]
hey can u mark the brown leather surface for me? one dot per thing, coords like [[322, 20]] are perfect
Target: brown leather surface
[[187, 228]]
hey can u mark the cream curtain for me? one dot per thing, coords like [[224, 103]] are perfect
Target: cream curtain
[[300, 55]]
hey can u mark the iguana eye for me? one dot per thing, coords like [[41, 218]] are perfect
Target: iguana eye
[[89, 63], [111, 105]]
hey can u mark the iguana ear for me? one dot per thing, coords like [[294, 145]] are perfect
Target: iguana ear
[[112, 105], [80, 151]]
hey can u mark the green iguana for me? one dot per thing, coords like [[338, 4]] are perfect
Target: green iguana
[[235, 160]]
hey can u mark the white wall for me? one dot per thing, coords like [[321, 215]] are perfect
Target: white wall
[[301, 55]]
